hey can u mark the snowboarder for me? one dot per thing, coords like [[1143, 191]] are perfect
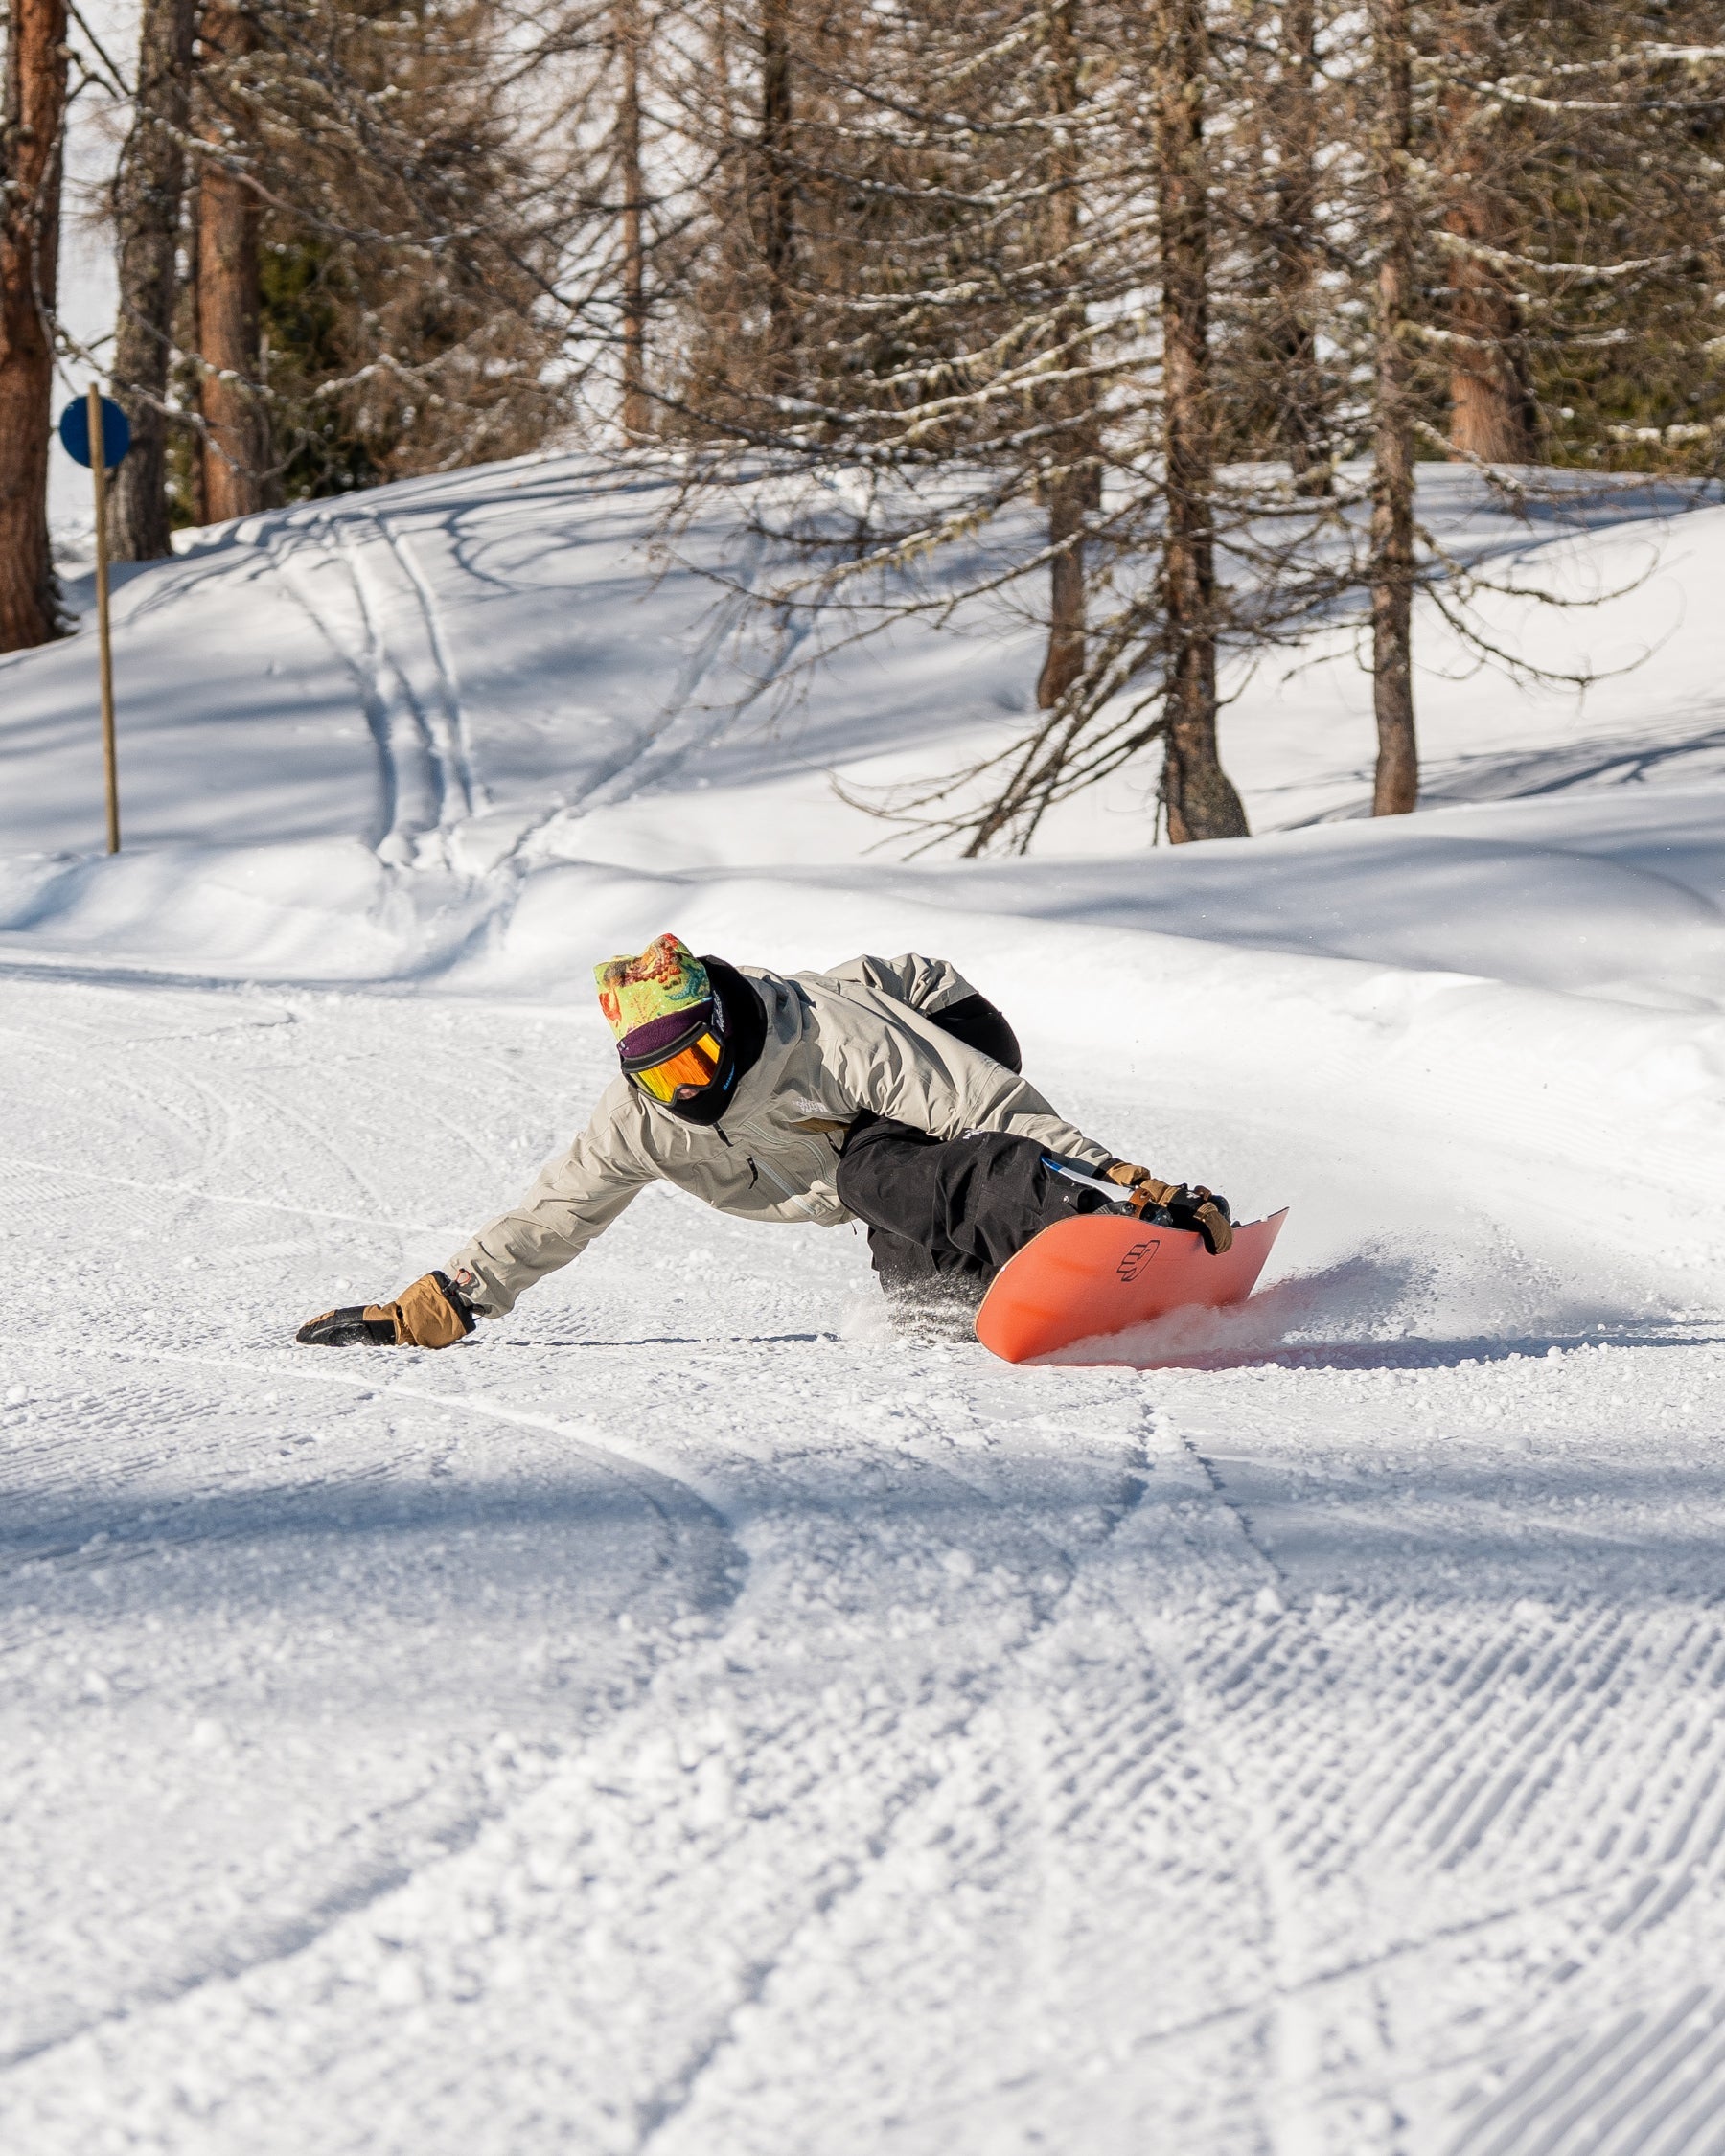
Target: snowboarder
[[885, 1090]]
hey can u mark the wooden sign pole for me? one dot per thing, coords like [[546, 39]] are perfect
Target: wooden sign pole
[[99, 475]]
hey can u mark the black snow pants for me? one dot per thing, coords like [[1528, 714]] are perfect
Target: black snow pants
[[944, 1214]]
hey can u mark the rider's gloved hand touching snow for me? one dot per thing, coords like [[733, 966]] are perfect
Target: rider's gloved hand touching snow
[[1188, 1205], [433, 1313]]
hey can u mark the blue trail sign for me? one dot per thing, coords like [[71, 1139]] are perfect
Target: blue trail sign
[[75, 431]]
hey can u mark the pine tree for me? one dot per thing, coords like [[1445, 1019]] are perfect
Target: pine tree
[[1199, 799], [33, 116], [236, 445], [1397, 788], [148, 205]]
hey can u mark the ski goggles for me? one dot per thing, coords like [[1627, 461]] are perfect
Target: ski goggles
[[693, 1062]]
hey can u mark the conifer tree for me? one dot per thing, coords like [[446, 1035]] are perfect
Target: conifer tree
[[33, 115], [148, 205]]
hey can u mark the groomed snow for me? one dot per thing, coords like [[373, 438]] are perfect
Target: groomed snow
[[682, 1718]]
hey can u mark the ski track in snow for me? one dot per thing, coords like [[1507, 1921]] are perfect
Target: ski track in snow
[[384, 625], [386, 631], [680, 1721]]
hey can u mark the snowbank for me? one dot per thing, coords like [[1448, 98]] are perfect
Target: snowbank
[[471, 732]]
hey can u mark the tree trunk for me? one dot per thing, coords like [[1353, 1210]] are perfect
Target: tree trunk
[[1074, 486], [1200, 801], [1491, 407], [1304, 418], [147, 199], [1069, 499], [190, 387], [1397, 785], [236, 448], [32, 123], [779, 228], [637, 419], [1491, 403]]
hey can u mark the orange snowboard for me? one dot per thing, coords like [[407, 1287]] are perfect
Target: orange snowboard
[[1103, 1273]]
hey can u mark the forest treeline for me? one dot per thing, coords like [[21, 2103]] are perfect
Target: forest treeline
[[1137, 314]]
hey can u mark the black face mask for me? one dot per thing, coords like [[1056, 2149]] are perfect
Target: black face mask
[[743, 1029]]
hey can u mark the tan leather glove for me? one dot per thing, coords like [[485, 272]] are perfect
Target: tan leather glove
[[1142, 1185], [433, 1313], [1207, 1211], [1187, 1205]]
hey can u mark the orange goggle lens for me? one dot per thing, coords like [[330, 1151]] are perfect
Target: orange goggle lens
[[696, 1065]]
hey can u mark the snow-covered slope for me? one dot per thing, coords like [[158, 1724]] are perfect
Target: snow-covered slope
[[486, 675], [684, 1718]]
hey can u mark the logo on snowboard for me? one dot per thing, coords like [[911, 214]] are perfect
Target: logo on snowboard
[[1137, 1258]]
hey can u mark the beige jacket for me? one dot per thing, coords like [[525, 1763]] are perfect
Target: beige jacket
[[838, 1043]]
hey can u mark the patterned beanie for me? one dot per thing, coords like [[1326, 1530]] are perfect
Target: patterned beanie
[[651, 1000]]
